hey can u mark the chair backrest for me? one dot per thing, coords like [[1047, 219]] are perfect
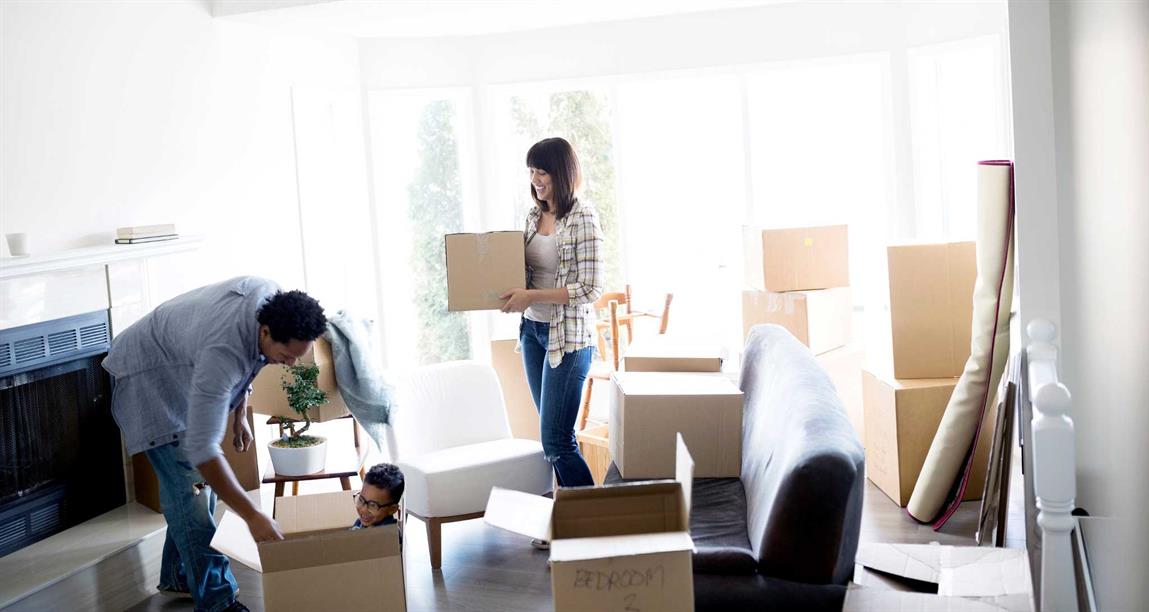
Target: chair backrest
[[803, 467], [446, 405]]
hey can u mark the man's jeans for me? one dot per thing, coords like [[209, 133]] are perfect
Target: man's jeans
[[189, 563], [557, 393]]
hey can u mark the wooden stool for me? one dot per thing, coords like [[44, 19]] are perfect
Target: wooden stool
[[342, 464]]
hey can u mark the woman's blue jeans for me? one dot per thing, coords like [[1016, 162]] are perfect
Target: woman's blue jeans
[[557, 393], [189, 562]]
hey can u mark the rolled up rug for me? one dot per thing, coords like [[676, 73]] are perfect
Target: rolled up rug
[[948, 464]]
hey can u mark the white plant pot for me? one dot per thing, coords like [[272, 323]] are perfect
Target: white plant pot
[[298, 461]]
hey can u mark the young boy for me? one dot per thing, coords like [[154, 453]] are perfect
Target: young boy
[[378, 502]]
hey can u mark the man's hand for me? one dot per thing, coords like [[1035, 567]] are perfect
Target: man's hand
[[263, 528], [518, 300]]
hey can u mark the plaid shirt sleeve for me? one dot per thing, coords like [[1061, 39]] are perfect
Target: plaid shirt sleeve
[[586, 285]]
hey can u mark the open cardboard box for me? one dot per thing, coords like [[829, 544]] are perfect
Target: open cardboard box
[[648, 408], [321, 564], [932, 577], [613, 548]]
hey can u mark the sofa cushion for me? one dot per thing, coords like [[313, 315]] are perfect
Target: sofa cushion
[[717, 525]]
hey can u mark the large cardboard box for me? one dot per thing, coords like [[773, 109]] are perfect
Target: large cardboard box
[[901, 418], [481, 267], [671, 354], [647, 409], [820, 319], [521, 411], [844, 366], [268, 396], [245, 465], [320, 565], [617, 548], [931, 307], [796, 259]]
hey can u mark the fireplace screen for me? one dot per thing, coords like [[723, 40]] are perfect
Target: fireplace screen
[[60, 453]]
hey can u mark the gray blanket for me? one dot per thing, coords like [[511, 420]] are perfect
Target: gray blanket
[[357, 372]]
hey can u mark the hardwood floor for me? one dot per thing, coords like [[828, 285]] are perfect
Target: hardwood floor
[[487, 569]]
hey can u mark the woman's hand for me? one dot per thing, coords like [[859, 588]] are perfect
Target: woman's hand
[[517, 300]]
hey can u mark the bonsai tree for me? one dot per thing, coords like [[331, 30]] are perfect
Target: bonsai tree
[[303, 394]]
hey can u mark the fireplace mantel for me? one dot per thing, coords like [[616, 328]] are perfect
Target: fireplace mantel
[[89, 256]]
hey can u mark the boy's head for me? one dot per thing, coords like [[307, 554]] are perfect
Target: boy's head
[[382, 490]]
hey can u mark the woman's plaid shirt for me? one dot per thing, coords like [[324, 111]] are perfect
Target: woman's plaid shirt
[[579, 239]]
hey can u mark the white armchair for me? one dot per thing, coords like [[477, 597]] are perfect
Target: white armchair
[[454, 443]]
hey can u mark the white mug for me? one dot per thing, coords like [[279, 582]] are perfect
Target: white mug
[[18, 244]]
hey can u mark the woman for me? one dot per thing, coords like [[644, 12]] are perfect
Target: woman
[[564, 278]]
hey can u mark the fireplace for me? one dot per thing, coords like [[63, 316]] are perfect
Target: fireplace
[[61, 461]]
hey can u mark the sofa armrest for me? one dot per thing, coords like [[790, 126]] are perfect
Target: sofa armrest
[[813, 527]]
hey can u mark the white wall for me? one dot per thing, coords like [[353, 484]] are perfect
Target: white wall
[[118, 113], [1100, 56]]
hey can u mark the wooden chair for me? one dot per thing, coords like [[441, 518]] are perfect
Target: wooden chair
[[613, 303]]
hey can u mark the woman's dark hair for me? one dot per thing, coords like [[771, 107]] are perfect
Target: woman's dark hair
[[388, 477], [292, 315], [557, 158]]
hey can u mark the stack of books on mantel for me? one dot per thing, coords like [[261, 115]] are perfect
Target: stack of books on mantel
[[139, 234]]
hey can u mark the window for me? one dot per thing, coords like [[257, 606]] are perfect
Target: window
[[420, 196], [957, 118], [583, 116]]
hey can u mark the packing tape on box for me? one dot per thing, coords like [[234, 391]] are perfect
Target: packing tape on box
[[779, 302]]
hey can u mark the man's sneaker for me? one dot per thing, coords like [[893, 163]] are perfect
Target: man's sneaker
[[541, 544], [174, 592], [236, 607]]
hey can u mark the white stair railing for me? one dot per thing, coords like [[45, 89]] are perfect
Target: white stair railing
[[1054, 467]]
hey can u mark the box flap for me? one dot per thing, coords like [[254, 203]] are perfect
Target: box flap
[[233, 539], [914, 561], [581, 549], [519, 512], [318, 512], [625, 509], [674, 383], [982, 571], [968, 571], [684, 474], [865, 599]]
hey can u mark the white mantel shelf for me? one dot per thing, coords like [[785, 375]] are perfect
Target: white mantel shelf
[[89, 256]]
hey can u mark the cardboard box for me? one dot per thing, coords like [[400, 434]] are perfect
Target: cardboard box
[[594, 444], [821, 319], [268, 396], [521, 411], [320, 565], [931, 308], [481, 267], [964, 578], [245, 465], [901, 418], [796, 259], [844, 366], [671, 354], [613, 549], [647, 409]]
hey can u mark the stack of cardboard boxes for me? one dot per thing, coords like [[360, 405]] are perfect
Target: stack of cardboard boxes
[[931, 310], [799, 278]]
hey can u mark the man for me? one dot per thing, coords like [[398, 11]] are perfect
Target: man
[[177, 373]]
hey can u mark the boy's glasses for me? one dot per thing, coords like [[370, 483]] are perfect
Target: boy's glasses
[[373, 506]]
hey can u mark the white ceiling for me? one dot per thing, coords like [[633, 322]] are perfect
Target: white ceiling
[[429, 18]]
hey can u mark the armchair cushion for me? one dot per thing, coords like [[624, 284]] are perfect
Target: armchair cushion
[[458, 480]]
